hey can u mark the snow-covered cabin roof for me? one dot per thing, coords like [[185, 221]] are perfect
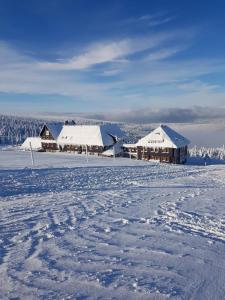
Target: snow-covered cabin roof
[[35, 143], [96, 135], [54, 128], [164, 137]]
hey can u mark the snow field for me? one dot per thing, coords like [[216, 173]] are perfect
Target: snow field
[[110, 229]]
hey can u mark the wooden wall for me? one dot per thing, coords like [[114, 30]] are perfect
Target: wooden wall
[[169, 155], [49, 147], [82, 149]]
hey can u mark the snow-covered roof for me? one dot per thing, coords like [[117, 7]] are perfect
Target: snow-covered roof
[[54, 128], [164, 137], [129, 145], [96, 135], [113, 150], [35, 143]]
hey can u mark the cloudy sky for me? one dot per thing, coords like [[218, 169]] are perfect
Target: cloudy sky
[[112, 56]]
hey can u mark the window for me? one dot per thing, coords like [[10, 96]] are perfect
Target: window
[[165, 150], [154, 150]]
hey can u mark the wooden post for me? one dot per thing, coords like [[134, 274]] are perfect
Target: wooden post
[[86, 153], [31, 154], [114, 152]]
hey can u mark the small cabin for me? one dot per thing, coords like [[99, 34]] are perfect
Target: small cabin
[[163, 144], [49, 135], [33, 143]]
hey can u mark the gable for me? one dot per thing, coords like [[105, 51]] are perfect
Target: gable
[[51, 131], [163, 137], [46, 133]]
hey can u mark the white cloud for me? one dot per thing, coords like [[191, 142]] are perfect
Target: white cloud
[[109, 52], [164, 53], [169, 72], [157, 22], [135, 80], [100, 53], [196, 86], [148, 115], [151, 20], [111, 72]]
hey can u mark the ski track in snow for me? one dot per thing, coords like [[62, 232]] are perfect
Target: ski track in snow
[[138, 231]]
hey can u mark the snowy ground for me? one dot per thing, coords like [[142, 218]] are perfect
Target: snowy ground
[[106, 229]]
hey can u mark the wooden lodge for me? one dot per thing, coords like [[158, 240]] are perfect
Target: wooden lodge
[[91, 139], [162, 144]]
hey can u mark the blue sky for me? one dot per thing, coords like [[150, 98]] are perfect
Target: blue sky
[[100, 56]]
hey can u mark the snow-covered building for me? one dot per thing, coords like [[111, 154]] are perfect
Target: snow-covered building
[[35, 143], [95, 139], [49, 135], [162, 144]]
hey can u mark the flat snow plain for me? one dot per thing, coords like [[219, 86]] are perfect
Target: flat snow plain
[[110, 229]]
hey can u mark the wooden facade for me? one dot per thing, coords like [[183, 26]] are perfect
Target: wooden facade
[[130, 151], [167, 155], [81, 149]]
